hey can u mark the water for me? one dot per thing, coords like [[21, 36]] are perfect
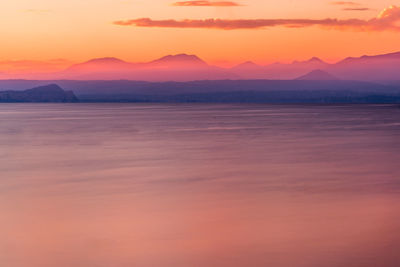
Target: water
[[118, 185]]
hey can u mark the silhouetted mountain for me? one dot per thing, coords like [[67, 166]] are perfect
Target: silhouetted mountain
[[101, 64], [278, 71], [313, 60], [47, 93], [179, 61], [365, 58], [183, 67], [365, 68], [240, 91], [230, 91], [317, 75], [369, 68], [250, 70], [180, 67], [106, 61], [247, 64]]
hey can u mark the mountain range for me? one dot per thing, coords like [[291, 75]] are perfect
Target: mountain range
[[218, 91], [317, 75], [183, 67], [179, 67]]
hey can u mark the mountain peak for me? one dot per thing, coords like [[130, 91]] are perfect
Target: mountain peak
[[45, 93], [183, 59], [105, 60], [100, 64], [247, 64], [315, 59], [389, 56], [47, 88], [318, 75]]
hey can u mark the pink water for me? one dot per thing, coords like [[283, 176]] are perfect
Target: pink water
[[121, 185]]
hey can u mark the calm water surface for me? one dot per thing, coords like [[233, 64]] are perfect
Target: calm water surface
[[122, 185]]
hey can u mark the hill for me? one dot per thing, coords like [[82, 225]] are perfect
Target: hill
[[47, 93], [317, 75], [227, 91], [185, 67]]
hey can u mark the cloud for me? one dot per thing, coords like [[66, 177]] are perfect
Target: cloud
[[388, 19], [357, 9], [345, 3], [206, 3], [351, 6], [239, 24]]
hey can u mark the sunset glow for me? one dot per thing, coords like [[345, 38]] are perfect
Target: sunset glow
[[257, 30], [199, 133]]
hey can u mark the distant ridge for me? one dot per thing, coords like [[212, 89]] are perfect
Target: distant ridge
[[217, 91], [105, 60], [315, 60], [390, 56], [47, 93], [317, 75], [384, 67], [180, 67], [100, 64], [179, 60], [187, 67], [247, 64]]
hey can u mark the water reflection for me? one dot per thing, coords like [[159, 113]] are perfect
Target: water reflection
[[199, 185]]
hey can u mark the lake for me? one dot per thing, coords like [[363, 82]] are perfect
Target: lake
[[155, 185]]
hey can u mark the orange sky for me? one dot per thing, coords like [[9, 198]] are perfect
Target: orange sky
[[77, 30]]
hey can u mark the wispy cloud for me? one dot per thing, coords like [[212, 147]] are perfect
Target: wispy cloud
[[357, 9], [206, 3], [238, 24], [345, 3], [388, 19], [351, 6]]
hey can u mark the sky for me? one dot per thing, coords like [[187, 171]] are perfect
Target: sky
[[220, 32]]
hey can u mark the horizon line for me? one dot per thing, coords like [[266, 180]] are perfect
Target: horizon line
[[223, 63]]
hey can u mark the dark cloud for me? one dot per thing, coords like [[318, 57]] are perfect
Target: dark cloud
[[357, 9], [387, 20], [351, 6]]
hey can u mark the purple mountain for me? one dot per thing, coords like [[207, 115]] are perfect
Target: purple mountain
[[317, 75]]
